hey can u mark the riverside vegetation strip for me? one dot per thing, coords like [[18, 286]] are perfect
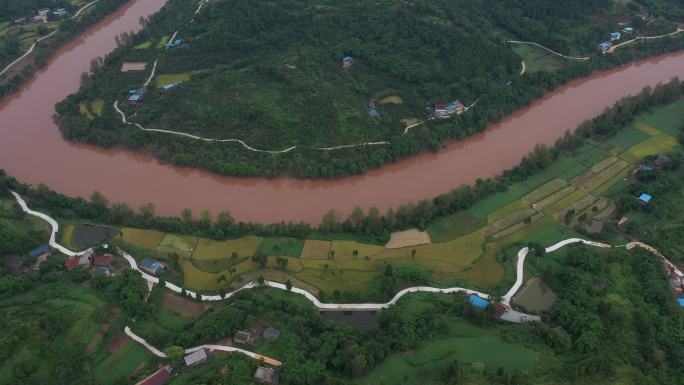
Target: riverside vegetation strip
[[310, 101]]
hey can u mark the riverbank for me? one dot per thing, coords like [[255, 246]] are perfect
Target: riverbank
[[20, 70]]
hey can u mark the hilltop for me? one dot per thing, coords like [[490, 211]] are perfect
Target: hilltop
[[327, 89]]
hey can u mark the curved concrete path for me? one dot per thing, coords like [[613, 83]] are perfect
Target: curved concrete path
[[514, 316], [33, 46], [549, 49], [223, 348]]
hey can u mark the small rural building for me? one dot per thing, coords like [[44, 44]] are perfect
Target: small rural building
[[347, 61], [151, 266], [71, 262], [175, 43], [157, 378], [603, 46], [646, 169], [373, 113], [615, 36], [627, 30], [662, 161], [102, 260], [135, 96], [680, 301], [196, 358], [13, 265], [59, 12], [21, 20], [103, 270], [645, 199], [478, 302], [43, 11], [40, 251], [270, 333], [266, 375], [171, 86], [243, 337]]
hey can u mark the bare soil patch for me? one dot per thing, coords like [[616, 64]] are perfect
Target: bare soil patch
[[133, 66], [117, 343], [183, 306], [413, 237]]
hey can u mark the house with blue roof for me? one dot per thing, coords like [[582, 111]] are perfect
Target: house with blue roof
[[171, 86], [151, 266], [42, 250], [627, 30], [373, 113], [478, 302], [347, 61], [603, 46], [645, 199], [680, 301], [175, 43], [615, 36], [135, 95]]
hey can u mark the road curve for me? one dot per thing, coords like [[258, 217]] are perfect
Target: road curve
[[224, 348]]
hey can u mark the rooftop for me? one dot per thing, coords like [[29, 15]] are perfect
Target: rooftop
[[196, 357], [645, 198], [478, 302]]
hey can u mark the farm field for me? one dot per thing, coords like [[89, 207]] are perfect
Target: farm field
[[466, 246], [536, 296]]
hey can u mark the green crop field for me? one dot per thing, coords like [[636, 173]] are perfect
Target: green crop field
[[486, 206], [650, 146], [503, 212], [210, 249], [146, 239], [182, 245], [289, 247], [451, 226]]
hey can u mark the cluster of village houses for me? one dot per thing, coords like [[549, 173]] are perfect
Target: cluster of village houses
[[44, 15], [264, 374], [614, 36]]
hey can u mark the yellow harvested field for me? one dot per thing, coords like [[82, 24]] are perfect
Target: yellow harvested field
[[196, 279], [412, 237], [666, 139], [210, 249], [394, 99], [650, 146], [147, 239], [460, 251], [163, 41], [506, 210], [553, 198], [605, 175], [602, 165], [314, 249], [345, 249], [162, 80], [545, 190]]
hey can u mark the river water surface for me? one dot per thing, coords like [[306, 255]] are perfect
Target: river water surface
[[33, 151]]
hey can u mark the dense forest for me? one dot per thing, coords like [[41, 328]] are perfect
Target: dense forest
[[273, 77]]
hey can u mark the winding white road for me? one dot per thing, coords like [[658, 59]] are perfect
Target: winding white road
[[511, 315], [549, 49], [33, 46], [222, 348]]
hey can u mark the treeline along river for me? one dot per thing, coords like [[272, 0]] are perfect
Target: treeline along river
[[33, 151]]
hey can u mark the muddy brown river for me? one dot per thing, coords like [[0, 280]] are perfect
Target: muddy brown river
[[33, 151]]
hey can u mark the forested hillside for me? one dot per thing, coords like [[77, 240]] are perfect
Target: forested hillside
[[273, 76]]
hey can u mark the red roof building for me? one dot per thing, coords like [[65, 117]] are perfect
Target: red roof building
[[103, 260], [500, 308], [70, 263]]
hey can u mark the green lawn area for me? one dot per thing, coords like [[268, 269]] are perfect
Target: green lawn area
[[121, 364], [537, 59], [668, 119], [145, 45], [289, 247], [452, 226], [483, 208], [164, 79]]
